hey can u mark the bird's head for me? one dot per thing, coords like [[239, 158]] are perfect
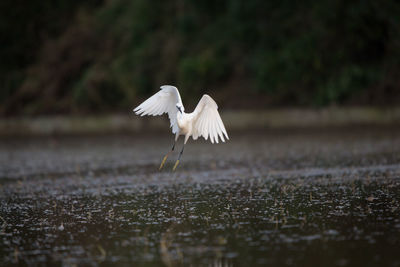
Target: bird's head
[[180, 108]]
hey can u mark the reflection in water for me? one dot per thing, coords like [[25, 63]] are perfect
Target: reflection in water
[[310, 201], [258, 221]]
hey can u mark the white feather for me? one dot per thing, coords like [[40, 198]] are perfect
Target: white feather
[[164, 101], [203, 121]]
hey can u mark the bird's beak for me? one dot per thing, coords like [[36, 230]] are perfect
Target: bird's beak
[[179, 110]]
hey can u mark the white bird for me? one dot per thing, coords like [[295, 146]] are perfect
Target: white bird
[[203, 121]]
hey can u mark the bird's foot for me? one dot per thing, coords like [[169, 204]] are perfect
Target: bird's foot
[[163, 161], [176, 165]]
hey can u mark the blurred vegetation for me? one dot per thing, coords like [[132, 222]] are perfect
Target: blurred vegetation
[[94, 56]]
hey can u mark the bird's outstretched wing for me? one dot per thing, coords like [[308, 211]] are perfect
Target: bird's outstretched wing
[[162, 102], [207, 122]]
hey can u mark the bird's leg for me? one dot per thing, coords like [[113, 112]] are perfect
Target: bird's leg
[[180, 155], [166, 156]]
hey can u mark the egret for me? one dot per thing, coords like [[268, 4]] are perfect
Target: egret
[[203, 121]]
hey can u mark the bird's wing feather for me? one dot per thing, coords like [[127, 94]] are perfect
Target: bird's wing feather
[[162, 102], [207, 121]]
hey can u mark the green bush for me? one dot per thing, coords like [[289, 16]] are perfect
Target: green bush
[[312, 53]]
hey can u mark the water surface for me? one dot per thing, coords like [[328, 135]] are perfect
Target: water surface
[[280, 198]]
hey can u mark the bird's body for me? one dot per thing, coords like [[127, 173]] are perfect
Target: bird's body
[[203, 121], [185, 124]]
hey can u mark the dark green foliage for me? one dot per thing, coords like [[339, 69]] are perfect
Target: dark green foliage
[[24, 27], [289, 53]]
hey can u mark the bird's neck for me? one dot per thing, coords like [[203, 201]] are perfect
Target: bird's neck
[[180, 118], [180, 115]]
